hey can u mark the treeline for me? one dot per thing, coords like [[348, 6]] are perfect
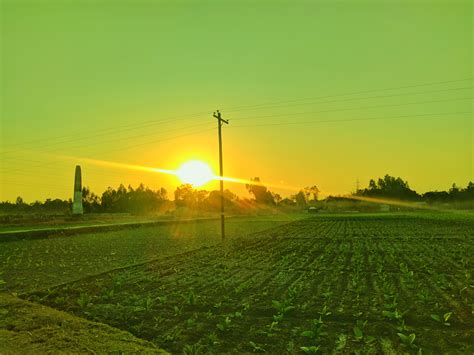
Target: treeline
[[121, 200], [396, 188], [49, 206], [143, 200]]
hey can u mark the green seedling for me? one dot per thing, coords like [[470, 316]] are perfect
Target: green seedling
[[171, 336], [316, 331], [290, 347], [407, 340], [225, 324], [395, 315], [310, 349], [341, 342], [325, 312], [194, 349], [423, 295], [84, 301], [402, 327], [359, 333], [212, 339], [108, 294], [256, 348], [282, 307], [442, 319], [60, 300], [162, 299], [190, 298], [177, 310], [148, 304], [190, 322]]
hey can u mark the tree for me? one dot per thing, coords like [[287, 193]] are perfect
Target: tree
[[260, 192], [90, 201], [185, 196], [312, 193], [390, 187], [213, 200], [300, 199]]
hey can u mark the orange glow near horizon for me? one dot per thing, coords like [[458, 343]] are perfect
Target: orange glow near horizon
[[195, 172]]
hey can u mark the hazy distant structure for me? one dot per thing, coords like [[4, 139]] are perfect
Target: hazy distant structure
[[77, 202]]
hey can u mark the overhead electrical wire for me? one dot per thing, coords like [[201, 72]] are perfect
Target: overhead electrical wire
[[127, 127], [349, 120], [349, 109], [228, 109]]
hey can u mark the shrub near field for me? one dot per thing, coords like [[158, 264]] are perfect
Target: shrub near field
[[377, 284]]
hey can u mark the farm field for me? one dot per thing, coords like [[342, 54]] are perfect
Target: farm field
[[380, 284], [40, 263]]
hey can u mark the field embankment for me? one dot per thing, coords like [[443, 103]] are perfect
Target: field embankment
[[30, 328]]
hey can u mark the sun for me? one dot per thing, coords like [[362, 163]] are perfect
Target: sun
[[195, 172]]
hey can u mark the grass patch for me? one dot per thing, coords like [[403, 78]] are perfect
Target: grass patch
[[30, 328]]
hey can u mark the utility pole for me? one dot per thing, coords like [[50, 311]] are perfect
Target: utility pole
[[220, 121]]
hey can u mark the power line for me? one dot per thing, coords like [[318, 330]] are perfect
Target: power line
[[123, 128], [105, 134], [356, 99], [351, 109], [128, 127], [349, 120], [228, 109], [274, 115], [121, 149]]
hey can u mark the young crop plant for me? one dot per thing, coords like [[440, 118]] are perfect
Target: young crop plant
[[172, 336], [212, 340], [146, 305], [256, 348], [423, 295], [177, 310], [316, 331], [190, 322], [310, 349], [60, 300], [190, 298], [162, 299], [359, 334], [283, 307], [108, 294], [443, 318], [341, 343], [84, 301], [408, 340], [224, 326]]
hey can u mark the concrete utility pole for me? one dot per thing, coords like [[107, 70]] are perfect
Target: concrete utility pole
[[77, 202], [220, 121]]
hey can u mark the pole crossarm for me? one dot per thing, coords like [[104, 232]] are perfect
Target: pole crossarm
[[217, 115]]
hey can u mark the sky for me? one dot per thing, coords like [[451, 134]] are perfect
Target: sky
[[316, 93]]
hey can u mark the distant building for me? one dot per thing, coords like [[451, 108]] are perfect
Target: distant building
[[77, 201]]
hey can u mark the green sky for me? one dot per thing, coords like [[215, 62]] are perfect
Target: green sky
[[103, 79]]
